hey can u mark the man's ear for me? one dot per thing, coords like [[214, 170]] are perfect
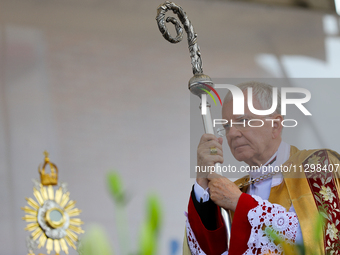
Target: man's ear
[[277, 126]]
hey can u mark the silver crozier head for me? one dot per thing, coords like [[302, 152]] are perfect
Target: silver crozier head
[[198, 82]]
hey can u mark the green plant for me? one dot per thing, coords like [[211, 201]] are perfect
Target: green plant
[[95, 241]]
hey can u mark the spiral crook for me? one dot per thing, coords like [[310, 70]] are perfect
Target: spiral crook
[[194, 49]]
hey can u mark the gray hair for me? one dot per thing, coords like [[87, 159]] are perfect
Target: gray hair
[[263, 93]]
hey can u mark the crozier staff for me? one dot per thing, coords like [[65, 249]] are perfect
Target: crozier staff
[[200, 83]]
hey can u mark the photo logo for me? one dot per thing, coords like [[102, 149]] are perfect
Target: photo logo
[[208, 92], [204, 97], [238, 99]]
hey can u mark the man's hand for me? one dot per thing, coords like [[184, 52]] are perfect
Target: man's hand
[[223, 192], [205, 159]]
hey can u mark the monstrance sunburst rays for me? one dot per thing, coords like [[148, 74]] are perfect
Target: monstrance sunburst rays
[[50, 217]]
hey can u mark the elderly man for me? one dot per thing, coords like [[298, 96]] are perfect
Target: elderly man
[[288, 202]]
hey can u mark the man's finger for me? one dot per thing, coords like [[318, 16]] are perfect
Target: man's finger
[[213, 143], [211, 151], [208, 137]]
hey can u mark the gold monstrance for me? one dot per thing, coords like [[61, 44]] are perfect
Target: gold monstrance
[[49, 217]]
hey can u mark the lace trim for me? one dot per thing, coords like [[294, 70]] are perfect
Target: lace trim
[[194, 247], [192, 242], [266, 214]]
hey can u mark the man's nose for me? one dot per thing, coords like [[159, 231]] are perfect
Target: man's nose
[[234, 132]]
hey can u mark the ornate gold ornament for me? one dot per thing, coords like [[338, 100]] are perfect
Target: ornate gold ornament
[[50, 217]]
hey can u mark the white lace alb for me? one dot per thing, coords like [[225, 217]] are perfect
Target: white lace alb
[[274, 216], [266, 214]]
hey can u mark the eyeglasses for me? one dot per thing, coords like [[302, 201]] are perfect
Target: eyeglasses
[[241, 125]]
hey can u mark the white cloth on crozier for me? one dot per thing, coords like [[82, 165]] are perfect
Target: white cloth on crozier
[[285, 224]]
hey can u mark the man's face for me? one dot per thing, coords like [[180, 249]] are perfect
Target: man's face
[[253, 145]]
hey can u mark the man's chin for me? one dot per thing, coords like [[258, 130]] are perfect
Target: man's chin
[[241, 155]]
